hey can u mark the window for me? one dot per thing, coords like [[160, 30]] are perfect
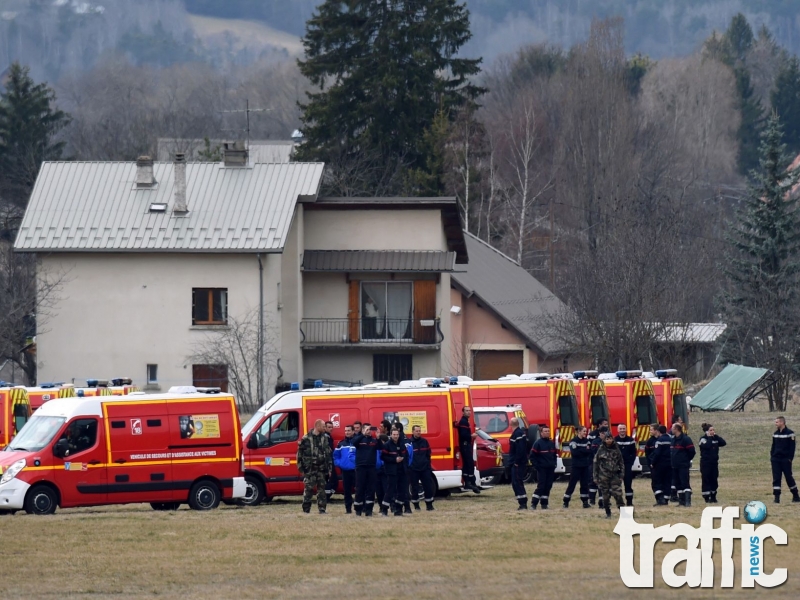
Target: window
[[81, 435], [679, 407], [152, 373], [494, 422], [391, 368], [279, 428], [646, 410], [387, 309], [20, 416], [37, 433], [568, 406], [210, 376], [209, 306], [599, 408]]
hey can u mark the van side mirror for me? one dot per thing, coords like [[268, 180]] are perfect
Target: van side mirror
[[61, 448], [252, 442]]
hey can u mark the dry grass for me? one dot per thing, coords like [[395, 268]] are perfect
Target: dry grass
[[470, 547]]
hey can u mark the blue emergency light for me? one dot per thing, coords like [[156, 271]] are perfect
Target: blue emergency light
[[663, 373], [47, 386], [584, 374], [453, 380], [295, 387], [318, 383], [91, 383], [628, 374], [80, 393]]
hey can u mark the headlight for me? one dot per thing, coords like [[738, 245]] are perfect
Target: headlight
[[12, 471]]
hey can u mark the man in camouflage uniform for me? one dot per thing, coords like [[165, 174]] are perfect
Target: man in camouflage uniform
[[608, 469], [314, 461]]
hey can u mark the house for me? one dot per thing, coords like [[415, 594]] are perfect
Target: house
[[157, 261], [495, 307], [691, 348], [259, 151]]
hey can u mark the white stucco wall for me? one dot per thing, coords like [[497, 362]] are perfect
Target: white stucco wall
[[117, 313], [356, 365]]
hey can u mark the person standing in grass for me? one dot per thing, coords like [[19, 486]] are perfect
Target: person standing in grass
[[608, 469], [314, 461], [518, 458], [581, 473], [661, 467], [629, 448], [781, 456], [420, 471], [682, 453], [333, 480], [393, 454], [544, 460], [710, 444]]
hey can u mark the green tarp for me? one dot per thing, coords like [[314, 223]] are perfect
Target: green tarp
[[731, 389]]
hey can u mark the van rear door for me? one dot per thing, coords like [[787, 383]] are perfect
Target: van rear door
[[140, 466]]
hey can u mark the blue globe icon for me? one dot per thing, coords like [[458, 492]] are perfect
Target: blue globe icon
[[755, 512]]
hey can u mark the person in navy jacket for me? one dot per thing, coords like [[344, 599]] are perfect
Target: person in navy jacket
[[709, 445], [348, 474], [781, 456], [629, 449], [367, 448], [544, 460], [420, 470], [518, 459], [682, 453], [580, 448]]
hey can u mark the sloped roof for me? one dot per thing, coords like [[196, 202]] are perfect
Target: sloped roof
[[693, 333], [507, 289], [261, 151], [95, 206], [732, 388], [417, 261]]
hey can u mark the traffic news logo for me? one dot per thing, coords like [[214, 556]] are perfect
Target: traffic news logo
[[698, 551]]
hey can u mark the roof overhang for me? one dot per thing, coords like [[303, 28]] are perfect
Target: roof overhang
[[379, 261]]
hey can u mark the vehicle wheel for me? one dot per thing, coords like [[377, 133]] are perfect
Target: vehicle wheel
[[204, 495], [41, 500], [165, 505], [255, 493], [494, 480], [531, 476]]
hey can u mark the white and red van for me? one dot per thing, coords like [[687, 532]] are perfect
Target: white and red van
[[165, 449], [495, 421], [272, 434]]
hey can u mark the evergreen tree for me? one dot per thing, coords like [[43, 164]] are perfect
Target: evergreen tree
[[384, 70], [28, 125], [752, 121], [786, 102], [739, 37], [762, 268]]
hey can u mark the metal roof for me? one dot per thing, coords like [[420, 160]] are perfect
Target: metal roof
[[432, 261], [508, 290], [95, 206], [692, 333], [261, 151]]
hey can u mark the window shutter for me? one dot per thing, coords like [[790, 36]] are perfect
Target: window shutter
[[424, 309], [352, 311], [194, 304]]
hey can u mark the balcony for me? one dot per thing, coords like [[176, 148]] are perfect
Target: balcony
[[371, 332]]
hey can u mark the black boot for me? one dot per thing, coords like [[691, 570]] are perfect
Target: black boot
[[687, 499], [608, 512], [474, 487], [713, 498], [592, 496], [306, 507], [416, 505], [778, 498], [586, 503], [629, 501], [384, 511], [545, 502], [707, 497], [523, 505], [795, 496], [566, 502], [535, 503], [407, 508], [428, 505], [664, 501], [681, 501], [600, 503], [674, 496]]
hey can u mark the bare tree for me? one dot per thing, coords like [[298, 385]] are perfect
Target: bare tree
[[248, 354]]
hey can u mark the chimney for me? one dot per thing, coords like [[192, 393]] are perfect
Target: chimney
[[144, 172], [234, 154], [180, 184]]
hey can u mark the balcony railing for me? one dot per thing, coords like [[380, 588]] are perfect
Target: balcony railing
[[370, 331]]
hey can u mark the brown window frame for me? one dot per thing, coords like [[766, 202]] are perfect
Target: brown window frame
[[209, 293]]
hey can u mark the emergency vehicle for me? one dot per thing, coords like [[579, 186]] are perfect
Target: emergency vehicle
[[544, 400], [94, 387], [591, 394], [272, 434], [43, 393], [15, 410], [496, 422], [67, 390], [670, 397], [165, 449], [122, 386], [631, 400]]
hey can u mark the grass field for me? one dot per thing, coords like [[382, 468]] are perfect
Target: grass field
[[471, 546]]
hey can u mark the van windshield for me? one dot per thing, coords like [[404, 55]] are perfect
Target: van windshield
[[37, 433], [646, 410], [250, 425], [568, 406], [492, 422], [599, 407]]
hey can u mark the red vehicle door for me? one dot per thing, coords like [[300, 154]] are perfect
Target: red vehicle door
[[140, 466], [276, 453], [82, 475]]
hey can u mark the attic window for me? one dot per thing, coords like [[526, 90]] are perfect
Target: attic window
[[158, 207]]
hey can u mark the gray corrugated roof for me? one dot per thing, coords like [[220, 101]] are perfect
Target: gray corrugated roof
[[95, 206], [432, 261], [694, 333], [261, 151], [504, 287]]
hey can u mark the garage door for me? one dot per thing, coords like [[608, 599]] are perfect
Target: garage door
[[492, 364]]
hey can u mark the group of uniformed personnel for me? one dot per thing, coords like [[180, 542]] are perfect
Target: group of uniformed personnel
[[375, 466]]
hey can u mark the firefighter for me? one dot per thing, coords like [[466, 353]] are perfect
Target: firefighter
[[402, 471], [581, 465], [594, 444], [367, 448], [709, 445], [649, 448], [781, 456], [608, 468], [380, 482], [661, 467], [333, 480], [543, 459], [348, 471], [465, 437], [518, 459], [420, 470], [393, 454], [627, 445], [682, 453]]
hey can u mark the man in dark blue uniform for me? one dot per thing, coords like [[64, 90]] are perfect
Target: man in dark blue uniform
[[420, 471], [628, 448], [465, 437], [518, 459], [683, 452], [367, 448], [544, 460], [581, 453], [781, 456]]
